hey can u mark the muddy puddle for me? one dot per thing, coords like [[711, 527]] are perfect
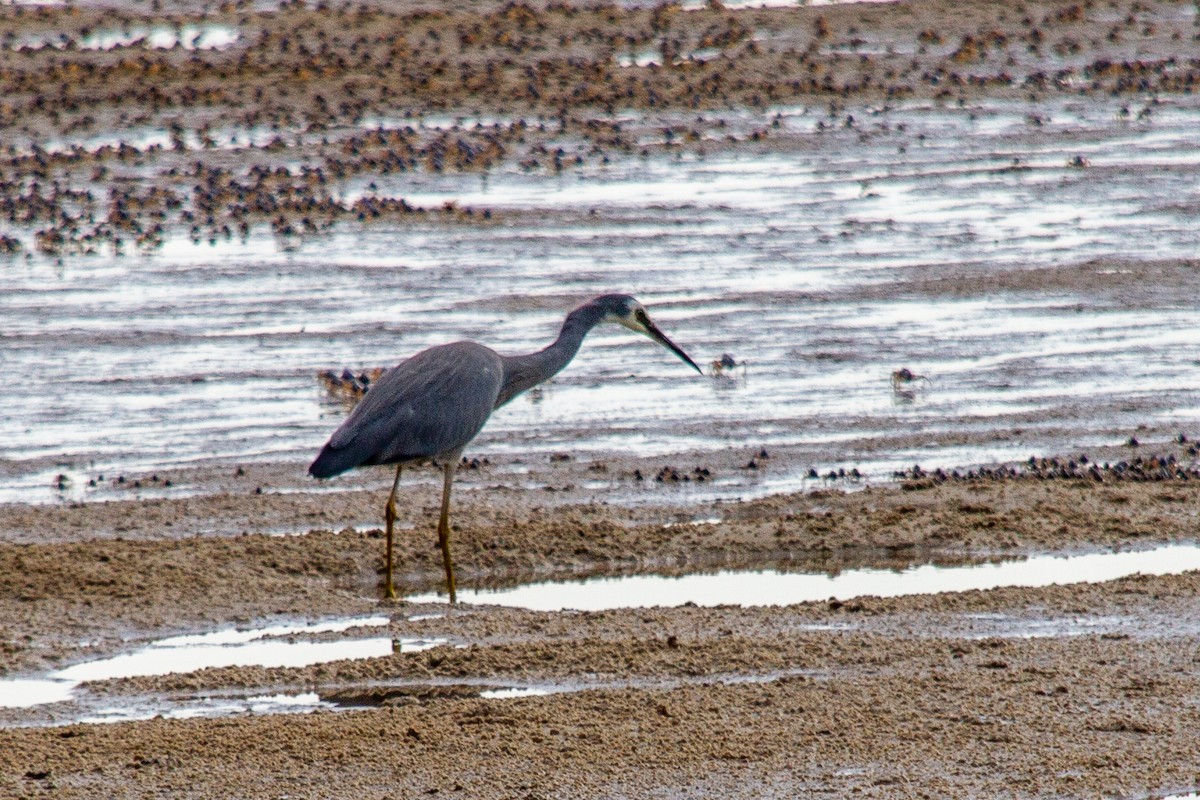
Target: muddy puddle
[[825, 262], [272, 646], [399, 693], [775, 588]]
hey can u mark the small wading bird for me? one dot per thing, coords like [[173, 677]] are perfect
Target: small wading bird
[[431, 406]]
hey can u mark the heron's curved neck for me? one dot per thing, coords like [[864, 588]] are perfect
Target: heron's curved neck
[[522, 373]]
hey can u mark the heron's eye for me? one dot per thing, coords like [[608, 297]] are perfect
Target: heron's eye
[[641, 317]]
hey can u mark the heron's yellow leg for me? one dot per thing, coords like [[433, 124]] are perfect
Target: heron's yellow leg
[[444, 527], [389, 516]]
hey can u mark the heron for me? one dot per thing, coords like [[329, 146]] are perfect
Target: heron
[[430, 407]]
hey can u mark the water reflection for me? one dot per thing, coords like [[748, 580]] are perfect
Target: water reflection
[[773, 588], [219, 706], [178, 654]]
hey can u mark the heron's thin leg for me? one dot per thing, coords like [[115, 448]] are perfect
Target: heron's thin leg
[[444, 526], [389, 516]]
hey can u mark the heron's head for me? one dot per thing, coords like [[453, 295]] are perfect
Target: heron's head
[[624, 310]]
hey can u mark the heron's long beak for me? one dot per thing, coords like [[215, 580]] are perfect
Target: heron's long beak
[[654, 333]]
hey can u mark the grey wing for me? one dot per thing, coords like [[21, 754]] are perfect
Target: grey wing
[[432, 404]]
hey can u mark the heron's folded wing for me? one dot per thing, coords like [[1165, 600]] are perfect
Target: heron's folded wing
[[432, 404]]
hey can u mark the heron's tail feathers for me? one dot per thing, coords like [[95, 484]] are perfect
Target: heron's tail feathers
[[333, 461]]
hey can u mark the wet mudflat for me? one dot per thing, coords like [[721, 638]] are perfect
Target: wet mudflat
[[1030, 258], [1052, 674], [207, 207], [1043, 315], [159, 678]]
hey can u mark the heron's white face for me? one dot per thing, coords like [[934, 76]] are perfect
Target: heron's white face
[[636, 319]]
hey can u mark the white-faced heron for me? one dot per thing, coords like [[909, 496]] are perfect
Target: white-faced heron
[[431, 406]]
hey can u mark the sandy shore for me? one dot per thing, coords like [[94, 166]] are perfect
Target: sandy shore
[[1081, 690], [947, 694]]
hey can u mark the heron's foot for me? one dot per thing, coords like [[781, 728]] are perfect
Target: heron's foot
[[450, 588], [451, 593], [389, 592]]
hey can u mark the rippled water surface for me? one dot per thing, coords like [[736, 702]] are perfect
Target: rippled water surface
[[824, 266]]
